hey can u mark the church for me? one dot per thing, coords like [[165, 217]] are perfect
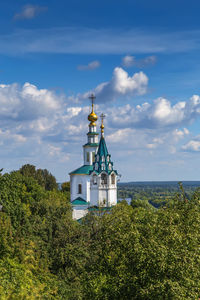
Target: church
[[95, 182]]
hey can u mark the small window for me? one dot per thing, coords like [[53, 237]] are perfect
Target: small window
[[88, 156], [108, 158], [103, 167], [103, 179], [97, 157], [103, 158], [80, 189], [113, 179], [94, 179], [96, 166], [110, 167], [93, 156]]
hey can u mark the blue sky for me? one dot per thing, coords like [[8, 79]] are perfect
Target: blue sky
[[141, 58]]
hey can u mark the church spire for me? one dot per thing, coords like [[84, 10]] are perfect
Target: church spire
[[102, 125]]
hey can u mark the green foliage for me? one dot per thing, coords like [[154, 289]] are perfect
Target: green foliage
[[25, 281], [128, 252], [65, 186], [43, 177], [141, 203], [145, 254]]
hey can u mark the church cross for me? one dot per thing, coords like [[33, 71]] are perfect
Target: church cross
[[102, 116], [92, 98]]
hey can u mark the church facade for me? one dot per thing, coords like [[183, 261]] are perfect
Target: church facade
[[95, 182]]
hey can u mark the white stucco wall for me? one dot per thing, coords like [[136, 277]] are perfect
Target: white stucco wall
[[105, 195], [79, 213], [94, 196], [90, 150], [84, 180]]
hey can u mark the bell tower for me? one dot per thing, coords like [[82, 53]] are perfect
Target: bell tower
[[103, 182], [90, 149], [80, 178]]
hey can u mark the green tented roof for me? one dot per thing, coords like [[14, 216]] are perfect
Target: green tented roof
[[102, 158], [102, 150], [79, 201], [85, 170]]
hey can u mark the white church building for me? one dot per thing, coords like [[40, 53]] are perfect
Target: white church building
[[95, 182]]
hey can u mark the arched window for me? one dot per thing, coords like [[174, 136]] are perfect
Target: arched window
[[94, 179], [103, 158], [93, 156], [113, 179], [96, 166], [103, 179], [79, 188], [108, 158], [88, 156], [103, 167]]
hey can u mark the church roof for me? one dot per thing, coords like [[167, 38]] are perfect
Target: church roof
[[84, 170], [103, 162], [79, 201], [91, 145], [102, 150]]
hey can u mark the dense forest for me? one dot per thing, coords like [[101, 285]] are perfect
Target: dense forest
[[135, 251]]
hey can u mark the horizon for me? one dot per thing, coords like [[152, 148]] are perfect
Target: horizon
[[140, 59]]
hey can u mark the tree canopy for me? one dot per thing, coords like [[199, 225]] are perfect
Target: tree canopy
[[132, 252]]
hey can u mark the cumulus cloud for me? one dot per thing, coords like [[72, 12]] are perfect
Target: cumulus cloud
[[120, 85], [159, 114], [27, 102], [91, 66], [38, 126], [193, 145], [29, 12], [129, 61]]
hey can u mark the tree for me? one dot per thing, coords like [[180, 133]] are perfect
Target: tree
[[43, 176], [145, 254]]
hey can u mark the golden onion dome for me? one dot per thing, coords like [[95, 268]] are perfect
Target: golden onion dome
[[102, 127], [92, 117]]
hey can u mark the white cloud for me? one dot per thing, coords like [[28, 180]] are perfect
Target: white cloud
[[27, 102], [129, 61], [120, 85], [165, 113], [149, 60], [159, 114], [151, 146], [39, 127], [192, 145], [29, 12], [179, 134], [90, 66], [120, 135]]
